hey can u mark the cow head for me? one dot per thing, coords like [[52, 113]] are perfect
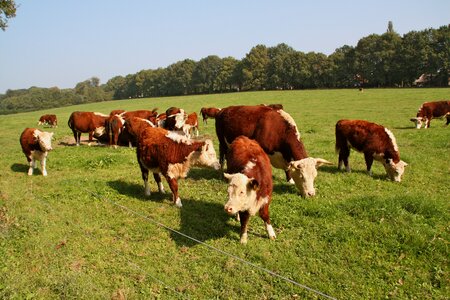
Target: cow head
[[304, 171], [45, 140], [418, 121], [207, 156], [242, 194], [395, 170]]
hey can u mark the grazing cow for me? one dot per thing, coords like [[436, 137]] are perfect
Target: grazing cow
[[114, 127], [277, 133], [175, 119], [430, 110], [375, 141], [191, 124], [208, 112], [88, 122], [49, 120], [162, 151], [35, 145], [250, 183]]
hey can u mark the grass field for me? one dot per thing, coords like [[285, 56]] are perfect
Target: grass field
[[86, 231]]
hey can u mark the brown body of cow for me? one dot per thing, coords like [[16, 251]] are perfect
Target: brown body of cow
[[116, 112], [175, 119], [49, 120], [162, 151], [191, 124], [35, 145], [375, 141], [430, 110], [250, 183], [277, 133], [208, 112], [88, 122]]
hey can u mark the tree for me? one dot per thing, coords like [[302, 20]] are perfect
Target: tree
[[7, 11], [204, 76], [254, 69]]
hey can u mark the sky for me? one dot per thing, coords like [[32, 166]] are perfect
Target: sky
[[63, 42]]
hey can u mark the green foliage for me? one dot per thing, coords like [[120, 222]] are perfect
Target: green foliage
[[360, 237], [7, 11]]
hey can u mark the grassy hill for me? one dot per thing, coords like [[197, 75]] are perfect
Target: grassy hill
[[87, 231]]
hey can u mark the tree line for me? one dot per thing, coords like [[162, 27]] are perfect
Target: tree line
[[378, 60]]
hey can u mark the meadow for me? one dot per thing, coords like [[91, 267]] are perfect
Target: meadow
[[86, 231]]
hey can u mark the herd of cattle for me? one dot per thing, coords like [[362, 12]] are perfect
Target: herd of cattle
[[251, 139]]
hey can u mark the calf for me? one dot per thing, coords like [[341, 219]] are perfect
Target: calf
[[276, 132], [191, 124], [162, 151], [133, 127], [430, 110], [35, 145], [208, 112], [375, 141], [175, 119], [49, 120], [88, 122], [250, 183]]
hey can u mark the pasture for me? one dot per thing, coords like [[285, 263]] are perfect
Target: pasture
[[86, 231]]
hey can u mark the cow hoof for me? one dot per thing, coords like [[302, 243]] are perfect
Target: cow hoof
[[178, 203], [291, 181]]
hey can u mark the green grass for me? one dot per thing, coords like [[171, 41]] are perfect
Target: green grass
[[361, 237]]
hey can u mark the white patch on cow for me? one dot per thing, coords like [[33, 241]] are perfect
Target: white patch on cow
[[249, 166], [395, 170], [206, 156], [149, 122], [392, 137], [277, 160], [178, 137], [290, 120], [100, 114], [304, 172], [244, 238], [147, 188], [241, 197], [178, 202], [44, 138], [270, 231], [99, 131], [378, 156], [161, 188], [180, 170]]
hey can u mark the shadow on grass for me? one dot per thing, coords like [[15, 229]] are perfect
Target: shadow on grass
[[136, 191], [205, 173], [202, 221], [405, 128], [20, 168]]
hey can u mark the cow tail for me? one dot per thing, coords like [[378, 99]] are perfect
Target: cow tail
[[340, 138], [70, 122]]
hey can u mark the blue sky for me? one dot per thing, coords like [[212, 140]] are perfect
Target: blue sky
[[63, 42]]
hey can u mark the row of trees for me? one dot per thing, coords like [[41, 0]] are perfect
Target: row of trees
[[386, 60]]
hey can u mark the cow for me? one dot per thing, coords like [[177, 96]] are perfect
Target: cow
[[208, 112], [191, 124], [375, 141], [277, 133], [143, 114], [175, 119], [49, 120], [133, 127], [116, 112], [88, 122], [430, 110], [35, 145], [250, 183], [114, 127], [172, 154]]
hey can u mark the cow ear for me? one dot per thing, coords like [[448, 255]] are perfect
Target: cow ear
[[227, 176], [404, 163], [253, 184]]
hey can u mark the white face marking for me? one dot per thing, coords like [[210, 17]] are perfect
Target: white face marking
[[180, 119], [241, 195], [44, 139], [395, 171], [208, 156], [392, 137], [99, 131], [304, 172], [290, 120]]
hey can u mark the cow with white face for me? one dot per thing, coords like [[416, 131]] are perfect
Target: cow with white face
[[304, 172], [35, 145], [250, 184]]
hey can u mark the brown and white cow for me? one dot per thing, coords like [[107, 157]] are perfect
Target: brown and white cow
[[191, 124], [35, 145], [175, 119], [208, 112], [133, 128], [250, 183], [49, 120], [375, 141], [277, 133], [88, 122], [430, 110], [172, 154]]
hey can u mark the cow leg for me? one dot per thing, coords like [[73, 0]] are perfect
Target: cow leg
[[289, 177], [173, 184], [244, 216], [43, 163], [264, 214], [448, 119], [75, 136], [222, 151], [144, 173], [344, 153], [369, 161], [91, 134], [159, 183], [32, 164]]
